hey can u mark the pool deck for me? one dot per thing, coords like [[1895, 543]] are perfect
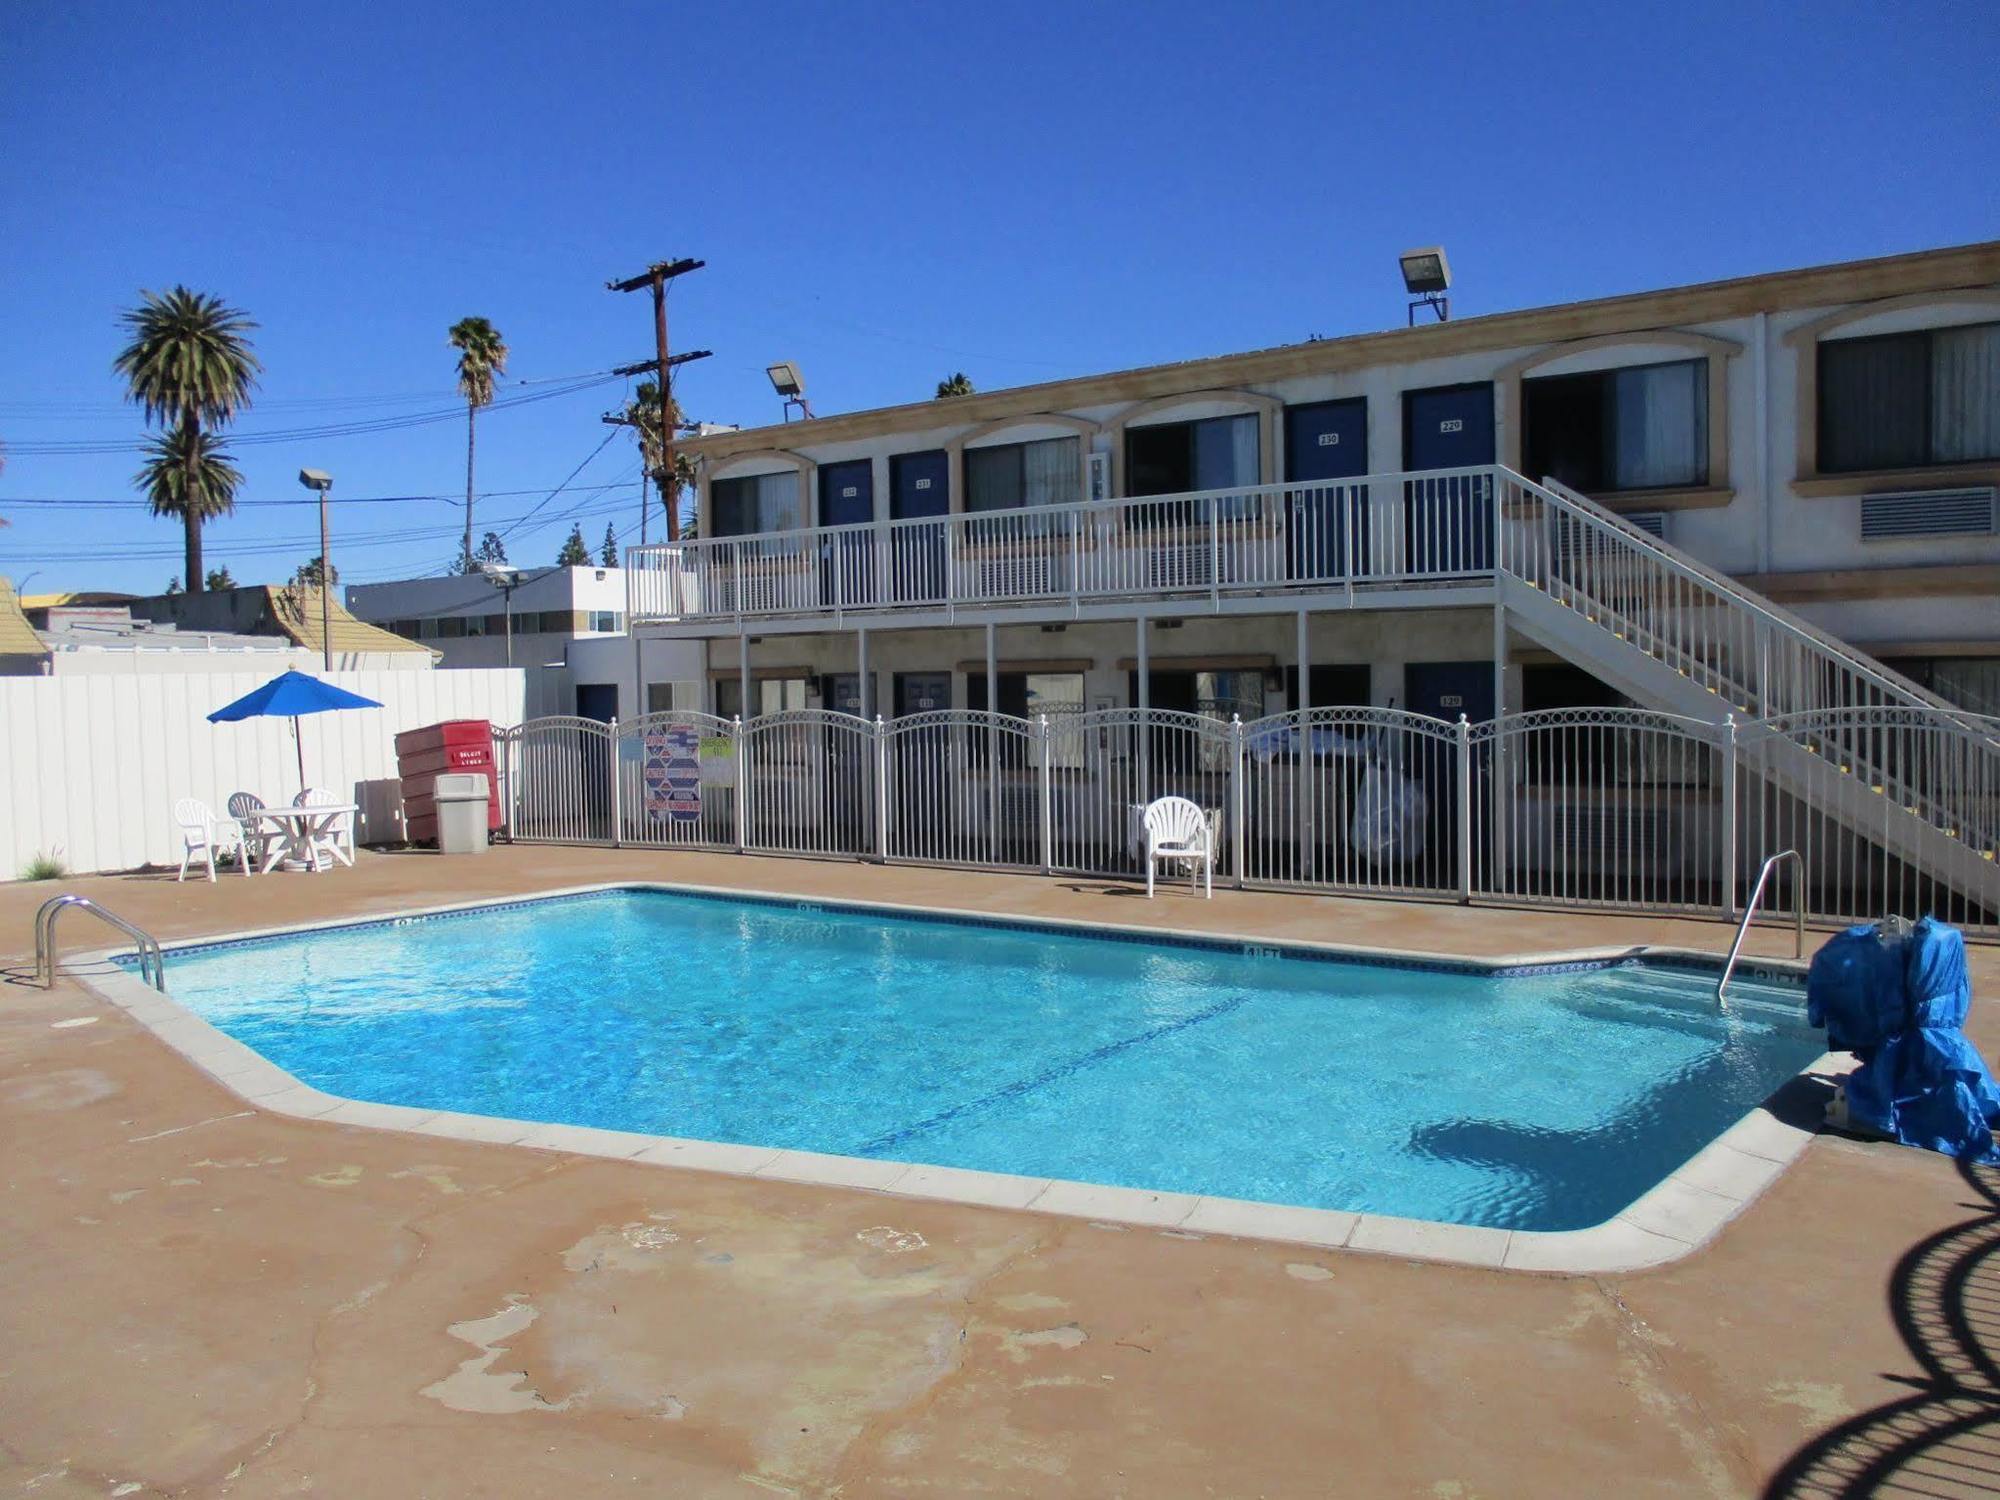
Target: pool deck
[[200, 1297]]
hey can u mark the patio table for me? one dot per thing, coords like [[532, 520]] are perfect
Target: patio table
[[296, 825]]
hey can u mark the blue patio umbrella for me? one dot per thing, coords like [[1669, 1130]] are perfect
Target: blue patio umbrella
[[291, 696]]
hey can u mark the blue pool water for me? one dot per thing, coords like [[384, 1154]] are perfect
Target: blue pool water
[[1534, 1101]]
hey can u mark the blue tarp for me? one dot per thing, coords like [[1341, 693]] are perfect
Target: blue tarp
[[1898, 1004]]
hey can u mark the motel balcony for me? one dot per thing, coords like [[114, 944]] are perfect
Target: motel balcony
[[1374, 541]]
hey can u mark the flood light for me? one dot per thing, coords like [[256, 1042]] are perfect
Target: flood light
[[1425, 271], [786, 380]]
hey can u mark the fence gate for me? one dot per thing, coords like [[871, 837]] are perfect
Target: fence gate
[[1600, 807], [962, 787], [562, 781], [677, 781], [1361, 799], [808, 783], [1107, 765]]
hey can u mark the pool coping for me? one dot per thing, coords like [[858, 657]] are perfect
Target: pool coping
[[1681, 1213]]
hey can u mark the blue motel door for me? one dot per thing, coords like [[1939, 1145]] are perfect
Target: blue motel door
[[1449, 520], [919, 489], [1327, 522], [847, 561]]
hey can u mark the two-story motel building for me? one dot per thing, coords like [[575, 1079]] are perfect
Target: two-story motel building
[[1316, 523]]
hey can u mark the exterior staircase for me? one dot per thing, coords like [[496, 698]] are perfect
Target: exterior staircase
[[1839, 732]]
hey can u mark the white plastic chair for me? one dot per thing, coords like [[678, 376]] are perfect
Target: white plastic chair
[[201, 833], [255, 836], [325, 838], [1177, 829]]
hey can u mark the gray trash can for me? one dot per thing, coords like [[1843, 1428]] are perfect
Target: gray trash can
[[461, 813]]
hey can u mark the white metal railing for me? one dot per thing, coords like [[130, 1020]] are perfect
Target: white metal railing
[[1754, 659], [1601, 809], [152, 961], [1750, 915], [1431, 527]]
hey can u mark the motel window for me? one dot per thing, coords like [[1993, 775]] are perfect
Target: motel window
[[605, 621], [665, 697], [1644, 427], [1176, 458], [769, 695], [1011, 476], [1028, 695], [476, 624], [451, 628], [1909, 400], [754, 504]]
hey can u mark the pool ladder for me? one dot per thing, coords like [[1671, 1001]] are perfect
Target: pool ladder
[[152, 962], [1750, 913]]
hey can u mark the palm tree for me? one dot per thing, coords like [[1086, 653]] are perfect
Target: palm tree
[[960, 384], [482, 354], [188, 474], [189, 367], [642, 415]]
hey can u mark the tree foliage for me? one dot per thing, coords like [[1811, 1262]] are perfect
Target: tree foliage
[[218, 579], [574, 553], [189, 368], [308, 573], [958, 384], [607, 556]]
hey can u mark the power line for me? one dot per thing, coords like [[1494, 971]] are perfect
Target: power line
[[51, 503], [83, 409], [564, 485], [321, 433]]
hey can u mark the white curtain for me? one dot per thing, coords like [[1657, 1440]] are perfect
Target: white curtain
[[1965, 393], [1051, 472], [1660, 436]]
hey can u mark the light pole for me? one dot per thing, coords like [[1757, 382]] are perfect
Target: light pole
[[506, 580], [319, 479]]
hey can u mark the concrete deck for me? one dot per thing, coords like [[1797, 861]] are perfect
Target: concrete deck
[[199, 1297]]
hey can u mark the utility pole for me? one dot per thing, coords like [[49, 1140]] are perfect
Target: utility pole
[[656, 277]]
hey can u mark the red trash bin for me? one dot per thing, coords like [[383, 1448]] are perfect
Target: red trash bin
[[423, 755]]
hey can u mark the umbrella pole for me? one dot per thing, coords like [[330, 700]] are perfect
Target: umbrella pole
[[300, 745]]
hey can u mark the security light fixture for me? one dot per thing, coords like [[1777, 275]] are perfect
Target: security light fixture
[[789, 383], [320, 480], [1427, 277], [316, 479]]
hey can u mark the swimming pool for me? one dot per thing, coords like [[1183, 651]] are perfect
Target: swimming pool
[[1535, 1099]]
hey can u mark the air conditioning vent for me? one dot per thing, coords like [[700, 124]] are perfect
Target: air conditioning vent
[[1967, 512]]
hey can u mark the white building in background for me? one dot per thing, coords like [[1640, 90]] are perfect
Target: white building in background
[[1256, 532], [564, 626]]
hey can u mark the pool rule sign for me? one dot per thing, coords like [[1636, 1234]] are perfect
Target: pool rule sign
[[673, 774]]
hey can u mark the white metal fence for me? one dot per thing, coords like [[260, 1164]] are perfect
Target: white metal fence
[[1610, 809]]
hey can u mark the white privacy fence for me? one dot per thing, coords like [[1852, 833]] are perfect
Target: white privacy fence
[[91, 766], [1606, 809]]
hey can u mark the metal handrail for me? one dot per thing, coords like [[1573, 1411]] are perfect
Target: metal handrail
[[1750, 912], [152, 961]]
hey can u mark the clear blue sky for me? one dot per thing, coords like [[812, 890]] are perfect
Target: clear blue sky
[[883, 193]]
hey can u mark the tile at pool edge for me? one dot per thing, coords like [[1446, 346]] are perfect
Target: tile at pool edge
[[707, 1156], [1681, 1211], [1325, 1227], [1419, 1239], [1732, 1173], [833, 1171], [1761, 1133], [1612, 1246], [963, 1185], [377, 1116], [305, 1103], [587, 1140], [1083, 1200], [483, 1128]]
